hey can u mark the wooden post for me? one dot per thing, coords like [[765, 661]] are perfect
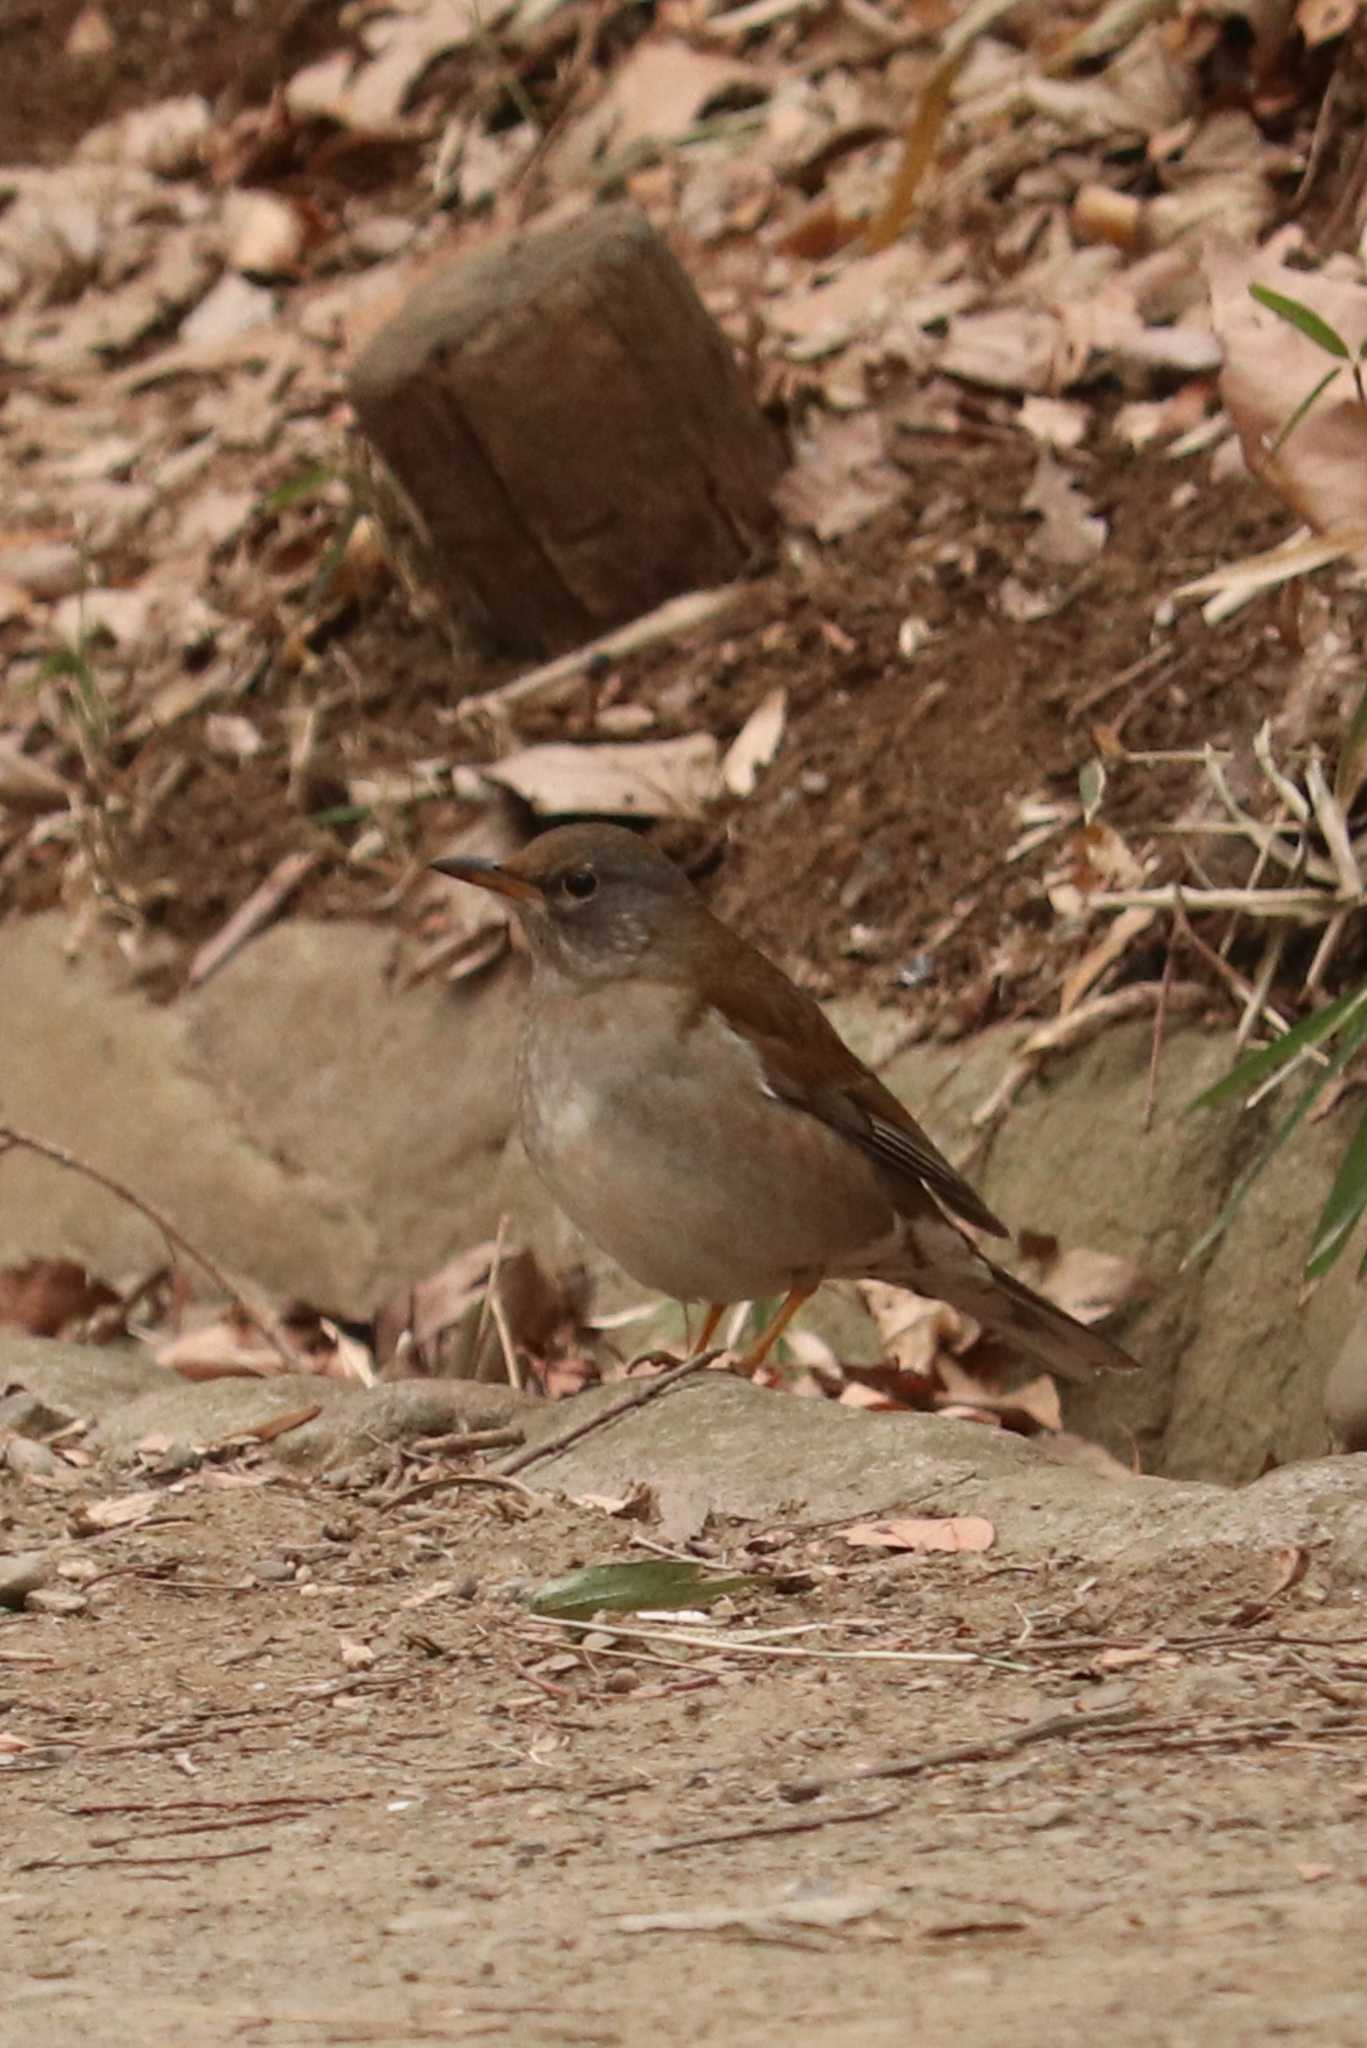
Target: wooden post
[[573, 429]]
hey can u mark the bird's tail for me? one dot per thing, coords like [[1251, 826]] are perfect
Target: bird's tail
[[1023, 1319]]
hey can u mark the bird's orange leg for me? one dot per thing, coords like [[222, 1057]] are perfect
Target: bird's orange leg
[[715, 1311], [767, 1339]]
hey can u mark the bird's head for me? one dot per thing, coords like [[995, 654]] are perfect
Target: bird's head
[[597, 903]]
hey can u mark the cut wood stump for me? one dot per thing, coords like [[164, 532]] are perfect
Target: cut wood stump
[[573, 430]]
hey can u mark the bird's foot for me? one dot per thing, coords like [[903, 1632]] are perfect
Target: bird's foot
[[668, 1361]]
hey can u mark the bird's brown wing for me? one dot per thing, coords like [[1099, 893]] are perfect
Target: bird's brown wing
[[807, 1063]]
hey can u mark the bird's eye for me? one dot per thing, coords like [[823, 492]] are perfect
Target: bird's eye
[[580, 883]]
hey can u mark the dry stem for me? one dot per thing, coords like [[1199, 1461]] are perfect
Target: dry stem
[[11, 1140]]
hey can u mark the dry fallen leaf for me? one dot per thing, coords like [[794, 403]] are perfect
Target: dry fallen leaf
[[1320, 466], [1122, 1658], [1026, 1409], [226, 1349], [647, 779], [914, 1331], [1086, 1284], [1319, 21], [44, 1296], [756, 744], [119, 1511], [29, 785], [923, 1533], [637, 1504], [1068, 535], [841, 477]]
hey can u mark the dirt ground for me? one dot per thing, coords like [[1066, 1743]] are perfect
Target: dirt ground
[[874, 853], [222, 1832], [882, 812]]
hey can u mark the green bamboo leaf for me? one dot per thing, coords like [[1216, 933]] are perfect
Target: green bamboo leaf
[[1307, 323], [628, 1587], [1289, 426], [1256, 1067], [1347, 1202], [1305, 1101]]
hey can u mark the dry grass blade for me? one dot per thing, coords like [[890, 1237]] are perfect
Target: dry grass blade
[[1332, 823], [1286, 789], [734, 1646], [260, 907], [1301, 906]]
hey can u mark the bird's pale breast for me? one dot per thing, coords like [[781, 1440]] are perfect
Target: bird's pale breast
[[661, 1143]]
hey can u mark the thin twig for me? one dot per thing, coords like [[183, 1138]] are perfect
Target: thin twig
[[732, 1646], [1332, 823], [444, 1482], [1325, 951], [807, 1825], [1257, 1005], [1157, 658], [494, 1298], [1306, 906], [142, 1862], [986, 1748], [9, 1138], [634, 1397], [1160, 1018], [458, 1440]]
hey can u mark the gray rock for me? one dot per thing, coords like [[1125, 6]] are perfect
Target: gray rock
[[1234, 1364], [747, 1453], [332, 1139], [23, 1573], [28, 1460], [1345, 1391], [128, 1399], [67, 1380], [309, 1126]]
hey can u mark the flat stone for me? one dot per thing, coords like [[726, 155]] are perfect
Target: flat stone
[[743, 1452], [56, 1600]]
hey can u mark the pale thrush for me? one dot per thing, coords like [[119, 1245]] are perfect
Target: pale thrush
[[697, 1117]]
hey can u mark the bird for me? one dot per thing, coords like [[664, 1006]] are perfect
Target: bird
[[697, 1116]]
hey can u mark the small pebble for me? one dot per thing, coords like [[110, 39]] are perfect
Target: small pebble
[[273, 1571], [178, 1458], [1050, 1813], [27, 1460], [57, 1600]]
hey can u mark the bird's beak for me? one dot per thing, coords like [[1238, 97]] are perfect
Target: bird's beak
[[488, 874]]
